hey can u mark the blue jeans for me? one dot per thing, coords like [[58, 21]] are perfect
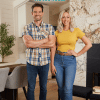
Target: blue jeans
[[32, 72], [66, 70]]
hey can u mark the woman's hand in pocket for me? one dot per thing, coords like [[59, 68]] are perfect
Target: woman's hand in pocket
[[53, 70]]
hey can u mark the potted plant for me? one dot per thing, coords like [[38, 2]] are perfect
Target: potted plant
[[6, 41]]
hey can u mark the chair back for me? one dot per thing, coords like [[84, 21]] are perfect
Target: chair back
[[3, 77], [18, 78]]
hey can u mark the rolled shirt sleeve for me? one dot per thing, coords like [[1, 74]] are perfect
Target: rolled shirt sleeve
[[51, 30], [26, 32]]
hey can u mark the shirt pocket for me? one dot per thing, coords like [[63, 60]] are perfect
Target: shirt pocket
[[34, 34], [44, 34]]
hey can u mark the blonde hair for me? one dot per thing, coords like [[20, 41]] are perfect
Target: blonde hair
[[60, 24]]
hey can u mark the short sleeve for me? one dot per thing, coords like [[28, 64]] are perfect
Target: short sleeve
[[51, 31], [56, 33], [80, 34], [25, 31]]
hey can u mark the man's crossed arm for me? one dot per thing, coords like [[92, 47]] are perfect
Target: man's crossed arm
[[44, 43]]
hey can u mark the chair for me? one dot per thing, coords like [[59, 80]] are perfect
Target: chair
[[17, 79], [3, 77]]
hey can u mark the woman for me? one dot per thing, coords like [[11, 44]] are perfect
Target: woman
[[64, 63]]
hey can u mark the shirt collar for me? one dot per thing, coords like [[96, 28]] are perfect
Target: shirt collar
[[40, 25]]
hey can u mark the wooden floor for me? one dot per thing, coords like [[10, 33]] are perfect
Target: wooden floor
[[51, 92]]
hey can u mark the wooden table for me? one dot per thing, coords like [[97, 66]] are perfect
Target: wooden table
[[11, 65]]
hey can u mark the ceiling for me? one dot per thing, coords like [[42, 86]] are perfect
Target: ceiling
[[51, 2]]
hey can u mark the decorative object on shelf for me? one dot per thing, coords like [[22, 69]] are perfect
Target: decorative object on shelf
[[96, 90], [6, 41]]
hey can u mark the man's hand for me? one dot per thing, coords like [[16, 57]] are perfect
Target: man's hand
[[28, 37], [50, 43]]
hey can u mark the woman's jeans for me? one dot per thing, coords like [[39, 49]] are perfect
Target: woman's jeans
[[32, 72], [66, 70]]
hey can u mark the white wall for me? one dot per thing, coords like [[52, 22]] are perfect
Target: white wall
[[21, 19], [6, 16], [18, 2], [0, 14], [0, 23], [28, 12]]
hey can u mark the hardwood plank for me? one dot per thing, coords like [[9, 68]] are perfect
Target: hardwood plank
[[52, 93]]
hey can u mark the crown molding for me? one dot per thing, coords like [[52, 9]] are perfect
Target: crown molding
[[18, 3]]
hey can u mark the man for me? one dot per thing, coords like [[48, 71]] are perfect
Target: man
[[38, 37]]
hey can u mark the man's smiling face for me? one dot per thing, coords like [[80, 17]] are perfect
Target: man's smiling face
[[37, 13]]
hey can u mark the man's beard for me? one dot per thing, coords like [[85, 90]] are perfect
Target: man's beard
[[38, 19]]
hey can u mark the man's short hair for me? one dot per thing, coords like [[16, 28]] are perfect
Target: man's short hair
[[37, 5]]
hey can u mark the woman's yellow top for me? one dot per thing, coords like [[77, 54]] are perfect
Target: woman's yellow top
[[66, 39]]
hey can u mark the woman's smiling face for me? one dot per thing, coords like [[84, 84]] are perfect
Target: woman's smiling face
[[66, 19]]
